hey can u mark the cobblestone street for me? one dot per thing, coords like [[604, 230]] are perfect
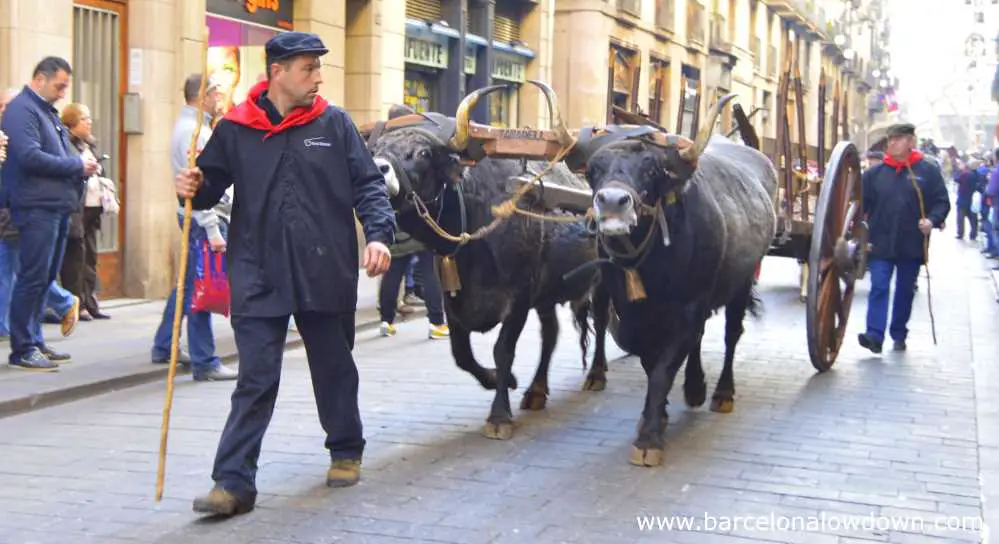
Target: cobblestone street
[[894, 436]]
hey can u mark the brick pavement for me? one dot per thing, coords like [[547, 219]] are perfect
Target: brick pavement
[[889, 436]]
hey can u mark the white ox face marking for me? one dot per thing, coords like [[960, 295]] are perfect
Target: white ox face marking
[[391, 181], [615, 211]]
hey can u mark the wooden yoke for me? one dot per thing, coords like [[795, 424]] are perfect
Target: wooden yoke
[[473, 142]]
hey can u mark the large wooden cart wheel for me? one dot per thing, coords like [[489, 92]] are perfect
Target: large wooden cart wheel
[[837, 257]]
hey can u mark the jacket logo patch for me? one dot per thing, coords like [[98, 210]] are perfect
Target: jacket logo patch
[[320, 141]]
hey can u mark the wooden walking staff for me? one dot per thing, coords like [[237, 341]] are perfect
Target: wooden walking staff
[[178, 314]]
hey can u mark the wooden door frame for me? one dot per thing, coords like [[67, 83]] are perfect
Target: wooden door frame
[[111, 265]]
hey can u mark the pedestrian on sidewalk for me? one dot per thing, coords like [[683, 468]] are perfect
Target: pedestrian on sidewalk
[[79, 266], [58, 301], [410, 258], [898, 231], [42, 183], [207, 225], [967, 182], [300, 168]]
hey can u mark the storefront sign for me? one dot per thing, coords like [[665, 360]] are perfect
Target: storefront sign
[[426, 53], [273, 13], [509, 67]]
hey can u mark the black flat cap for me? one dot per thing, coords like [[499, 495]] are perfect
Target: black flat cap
[[290, 44], [902, 129]]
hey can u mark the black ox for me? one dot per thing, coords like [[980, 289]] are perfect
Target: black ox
[[518, 266], [683, 225]]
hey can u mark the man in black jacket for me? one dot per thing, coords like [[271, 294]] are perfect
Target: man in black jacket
[[43, 183], [904, 199], [299, 168]]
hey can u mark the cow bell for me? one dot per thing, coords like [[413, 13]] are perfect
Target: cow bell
[[448, 272]]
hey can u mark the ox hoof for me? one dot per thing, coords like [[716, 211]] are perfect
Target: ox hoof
[[595, 383], [695, 394], [534, 400], [498, 431], [489, 383], [722, 405], [802, 298], [645, 457]]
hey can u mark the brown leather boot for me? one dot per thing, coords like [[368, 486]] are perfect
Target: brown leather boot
[[343, 473], [220, 502]]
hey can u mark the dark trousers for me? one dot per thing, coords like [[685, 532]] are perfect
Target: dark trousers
[[329, 340], [389, 291], [78, 273], [906, 272], [963, 213], [41, 245]]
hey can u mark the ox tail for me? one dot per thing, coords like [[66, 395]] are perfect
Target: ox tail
[[580, 312]]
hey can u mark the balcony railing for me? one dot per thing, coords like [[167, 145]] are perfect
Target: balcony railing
[[718, 32], [665, 14], [755, 47], [631, 7], [695, 22]]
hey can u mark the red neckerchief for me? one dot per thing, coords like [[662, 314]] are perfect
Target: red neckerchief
[[914, 156], [251, 115]]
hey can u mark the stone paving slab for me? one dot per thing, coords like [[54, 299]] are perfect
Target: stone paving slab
[[110, 355], [893, 439]]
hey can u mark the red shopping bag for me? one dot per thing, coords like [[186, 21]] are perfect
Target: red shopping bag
[[211, 285]]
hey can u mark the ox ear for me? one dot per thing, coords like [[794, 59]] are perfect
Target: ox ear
[[452, 167]]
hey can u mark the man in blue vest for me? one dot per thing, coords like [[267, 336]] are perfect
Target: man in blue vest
[[43, 182]]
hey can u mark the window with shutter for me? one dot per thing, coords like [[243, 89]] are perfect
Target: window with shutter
[[506, 21], [424, 10]]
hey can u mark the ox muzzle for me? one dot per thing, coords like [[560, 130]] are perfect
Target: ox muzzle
[[388, 172], [615, 211]]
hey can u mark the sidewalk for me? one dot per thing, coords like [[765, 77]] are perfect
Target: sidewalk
[[114, 354]]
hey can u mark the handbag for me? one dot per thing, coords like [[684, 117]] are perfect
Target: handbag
[[109, 196], [211, 284], [976, 202]]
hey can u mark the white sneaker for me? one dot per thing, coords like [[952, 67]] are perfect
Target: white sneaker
[[386, 329]]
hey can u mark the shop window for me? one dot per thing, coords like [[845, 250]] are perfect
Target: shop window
[[419, 91], [658, 90], [623, 79], [236, 57], [503, 108]]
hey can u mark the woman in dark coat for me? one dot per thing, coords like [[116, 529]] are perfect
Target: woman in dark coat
[[79, 265]]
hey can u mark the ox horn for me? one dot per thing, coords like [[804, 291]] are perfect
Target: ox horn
[[459, 142], [558, 126], [691, 153]]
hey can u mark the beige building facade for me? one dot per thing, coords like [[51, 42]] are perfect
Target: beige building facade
[[671, 59], [131, 56]]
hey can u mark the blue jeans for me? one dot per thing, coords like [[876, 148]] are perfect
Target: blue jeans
[[906, 272], [57, 299], [200, 336], [42, 241]]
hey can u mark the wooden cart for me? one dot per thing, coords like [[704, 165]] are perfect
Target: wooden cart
[[820, 212]]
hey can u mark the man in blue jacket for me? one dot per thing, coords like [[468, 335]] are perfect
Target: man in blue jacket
[[896, 195], [298, 167], [43, 183]]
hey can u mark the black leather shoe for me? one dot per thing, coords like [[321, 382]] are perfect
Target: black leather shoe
[[899, 345], [869, 343]]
